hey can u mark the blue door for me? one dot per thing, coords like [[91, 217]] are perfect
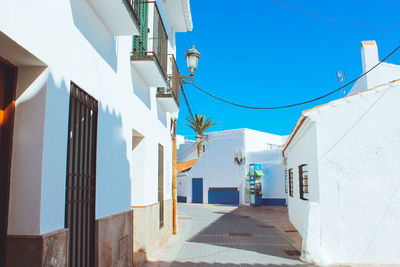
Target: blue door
[[197, 190]]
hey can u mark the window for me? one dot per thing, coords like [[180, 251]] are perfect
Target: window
[[291, 182], [303, 181], [286, 180]]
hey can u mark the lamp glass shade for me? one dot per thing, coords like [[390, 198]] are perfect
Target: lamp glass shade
[[192, 57], [192, 63]]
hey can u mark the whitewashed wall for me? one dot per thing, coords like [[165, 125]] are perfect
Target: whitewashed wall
[[303, 150], [383, 73], [76, 46], [355, 219], [217, 168], [359, 155]]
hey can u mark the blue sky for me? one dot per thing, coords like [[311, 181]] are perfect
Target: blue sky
[[261, 54]]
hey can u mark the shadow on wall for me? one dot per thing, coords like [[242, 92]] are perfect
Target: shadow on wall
[[140, 88], [162, 115], [55, 153], [113, 188], [87, 22]]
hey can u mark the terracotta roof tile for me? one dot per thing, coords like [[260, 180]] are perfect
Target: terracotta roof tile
[[185, 165]]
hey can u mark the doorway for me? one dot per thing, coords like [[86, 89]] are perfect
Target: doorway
[[197, 190], [8, 74], [81, 177]]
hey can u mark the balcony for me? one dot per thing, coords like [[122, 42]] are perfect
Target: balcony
[[150, 49], [120, 17], [168, 96]]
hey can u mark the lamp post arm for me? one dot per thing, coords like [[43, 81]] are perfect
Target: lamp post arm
[[185, 80]]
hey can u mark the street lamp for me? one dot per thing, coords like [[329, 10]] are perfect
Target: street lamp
[[192, 58]]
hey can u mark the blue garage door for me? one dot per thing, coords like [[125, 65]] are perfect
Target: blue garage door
[[223, 195], [197, 190]]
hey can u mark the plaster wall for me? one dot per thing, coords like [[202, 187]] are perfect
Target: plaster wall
[[302, 150], [273, 182], [216, 165], [359, 170], [383, 73], [186, 151], [76, 46], [217, 168]]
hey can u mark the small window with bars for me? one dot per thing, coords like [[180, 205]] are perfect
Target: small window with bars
[[291, 182], [286, 181], [303, 181]]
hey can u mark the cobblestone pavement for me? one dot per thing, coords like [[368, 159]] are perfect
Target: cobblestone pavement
[[216, 235]]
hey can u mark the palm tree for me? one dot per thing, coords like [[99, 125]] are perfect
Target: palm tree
[[199, 124]]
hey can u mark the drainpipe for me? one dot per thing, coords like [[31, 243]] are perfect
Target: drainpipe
[[174, 204]]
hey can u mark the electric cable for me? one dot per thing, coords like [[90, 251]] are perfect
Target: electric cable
[[187, 103], [333, 20], [193, 148], [304, 102]]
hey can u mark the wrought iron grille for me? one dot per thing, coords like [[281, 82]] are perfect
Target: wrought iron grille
[[161, 183], [291, 182], [173, 81], [133, 6], [303, 181], [286, 181], [157, 44], [81, 177], [140, 41]]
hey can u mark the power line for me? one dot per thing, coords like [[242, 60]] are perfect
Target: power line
[[304, 102], [187, 103], [192, 149], [333, 20]]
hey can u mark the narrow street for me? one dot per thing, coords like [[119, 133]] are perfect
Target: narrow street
[[217, 235]]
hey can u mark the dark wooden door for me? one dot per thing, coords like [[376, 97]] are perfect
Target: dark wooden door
[[81, 177], [7, 106]]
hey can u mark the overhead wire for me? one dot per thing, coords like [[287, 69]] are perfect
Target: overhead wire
[[299, 103], [333, 20], [187, 103], [192, 149]]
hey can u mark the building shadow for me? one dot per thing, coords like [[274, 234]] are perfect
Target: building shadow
[[113, 188], [216, 264], [85, 20]]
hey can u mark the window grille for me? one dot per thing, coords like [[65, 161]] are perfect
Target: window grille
[[291, 182], [286, 180], [303, 181], [81, 177]]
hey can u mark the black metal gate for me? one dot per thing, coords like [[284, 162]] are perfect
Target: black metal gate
[[81, 177]]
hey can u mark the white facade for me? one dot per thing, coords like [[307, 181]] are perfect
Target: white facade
[[217, 168], [383, 73], [54, 43], [351, 147]]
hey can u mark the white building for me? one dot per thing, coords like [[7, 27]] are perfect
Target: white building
[[87, 152], [343, 165], [216, 170]]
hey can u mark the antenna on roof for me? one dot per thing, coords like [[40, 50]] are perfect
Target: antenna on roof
[[341, 77]]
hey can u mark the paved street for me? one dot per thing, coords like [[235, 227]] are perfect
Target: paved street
[[215, 235]]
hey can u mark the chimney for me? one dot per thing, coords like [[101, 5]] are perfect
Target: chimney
[[369, 54]]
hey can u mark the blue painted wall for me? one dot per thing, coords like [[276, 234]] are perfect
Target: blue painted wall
[[230, 197], [274, 202], [182, 199], [197, 190]]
